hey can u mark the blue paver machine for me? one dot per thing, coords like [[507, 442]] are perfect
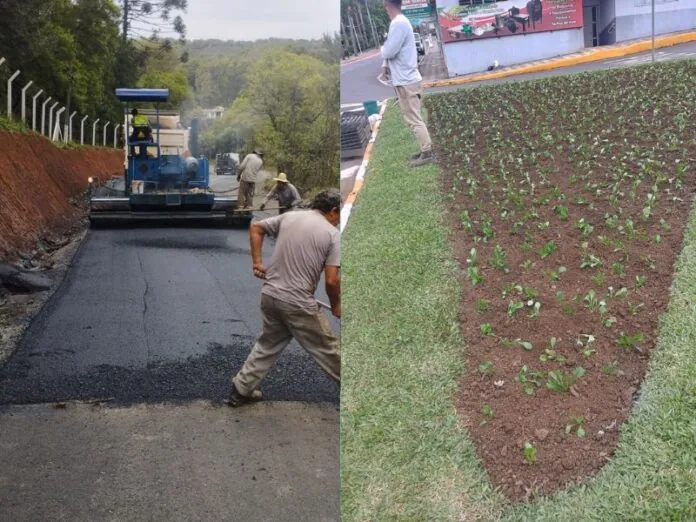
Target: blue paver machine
[[156, 185]]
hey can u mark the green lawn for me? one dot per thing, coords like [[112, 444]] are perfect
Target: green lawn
[[403, 455]]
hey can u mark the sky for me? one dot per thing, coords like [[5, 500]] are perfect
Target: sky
[[258, 19]]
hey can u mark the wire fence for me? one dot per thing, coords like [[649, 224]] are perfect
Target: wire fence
[[21, 100]]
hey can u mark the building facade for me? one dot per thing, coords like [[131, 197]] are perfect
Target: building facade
[[475, 34]]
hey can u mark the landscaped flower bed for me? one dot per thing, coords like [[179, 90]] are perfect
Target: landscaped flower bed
[[569, 198]]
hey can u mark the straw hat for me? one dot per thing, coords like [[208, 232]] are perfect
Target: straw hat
[[282, 178]]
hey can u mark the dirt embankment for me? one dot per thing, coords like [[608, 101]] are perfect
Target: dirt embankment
[[40, 188]]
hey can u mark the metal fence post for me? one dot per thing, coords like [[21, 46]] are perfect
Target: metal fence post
[[9, 93], [58, 121], [2, 60], [69, 133], [43, 115], [94, 132], [24, 101], [82, 130], [106, 126], [50, 119], [33, 112], [118, 125]]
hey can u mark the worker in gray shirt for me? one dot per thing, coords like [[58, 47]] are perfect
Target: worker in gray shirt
[[247, 177], [401, 63], [307, 245], [285, 192]]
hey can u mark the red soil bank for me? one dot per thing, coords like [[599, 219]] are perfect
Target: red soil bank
[[37, 183]]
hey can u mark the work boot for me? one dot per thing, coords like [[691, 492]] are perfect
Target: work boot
[[423, 158], [236, 399]]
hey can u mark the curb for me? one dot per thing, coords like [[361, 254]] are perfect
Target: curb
[[362, 57], [592, 55], [360, 178]]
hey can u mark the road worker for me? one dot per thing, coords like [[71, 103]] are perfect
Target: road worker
[[247, 177], [142, 130], [307, 244], [283, 191]]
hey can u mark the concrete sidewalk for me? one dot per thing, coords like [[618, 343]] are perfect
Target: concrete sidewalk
[[263, 462], [594, 54]]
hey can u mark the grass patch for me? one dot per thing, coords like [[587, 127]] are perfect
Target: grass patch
[[403, 454], [21, 127], [13, 125]]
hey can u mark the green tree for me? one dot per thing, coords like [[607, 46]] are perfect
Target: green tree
[[141, 19], [297, 96]]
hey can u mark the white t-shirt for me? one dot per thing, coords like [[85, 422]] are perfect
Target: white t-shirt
[[399, 52]]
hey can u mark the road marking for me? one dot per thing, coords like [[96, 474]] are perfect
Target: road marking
[[350, 106], [348, 206], [349, 172]]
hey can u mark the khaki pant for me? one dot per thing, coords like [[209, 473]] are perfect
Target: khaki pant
[[410, 103], [282, 322], [246, 194]]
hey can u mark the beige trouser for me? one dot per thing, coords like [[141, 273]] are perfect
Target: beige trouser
[[282, 322], [410, 102], [246, 194]]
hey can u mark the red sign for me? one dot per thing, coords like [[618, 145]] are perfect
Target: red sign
[[506, 18]]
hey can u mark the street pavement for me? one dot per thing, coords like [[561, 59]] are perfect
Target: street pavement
[[154, 321], [359, 80]]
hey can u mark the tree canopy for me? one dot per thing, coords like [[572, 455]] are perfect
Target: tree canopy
[[279, 94]]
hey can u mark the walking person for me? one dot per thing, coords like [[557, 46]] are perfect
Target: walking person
[[308, 243], [247, 177], [285, 192], [401, 63]]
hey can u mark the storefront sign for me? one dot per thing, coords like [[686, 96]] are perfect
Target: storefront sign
[[418, 11], [506, 18], [419, 15]]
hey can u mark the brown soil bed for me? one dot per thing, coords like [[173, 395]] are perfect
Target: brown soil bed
[[494, 406]]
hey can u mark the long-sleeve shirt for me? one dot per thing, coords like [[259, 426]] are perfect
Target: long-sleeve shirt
[[400, 54], [250, 167], [285, 193]]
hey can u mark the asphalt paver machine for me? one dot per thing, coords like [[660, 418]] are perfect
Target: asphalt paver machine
[[159, 182]]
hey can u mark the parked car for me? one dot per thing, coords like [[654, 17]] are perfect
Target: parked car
[[419, 44]]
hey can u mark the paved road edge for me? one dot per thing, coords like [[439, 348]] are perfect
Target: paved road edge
[[592, 55], [360, 178]]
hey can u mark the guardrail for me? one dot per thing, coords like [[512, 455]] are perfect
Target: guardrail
[[48, 120]]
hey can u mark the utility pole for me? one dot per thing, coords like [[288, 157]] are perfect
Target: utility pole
[[355, 33], [349, 37], [653, 31], [372, 24]]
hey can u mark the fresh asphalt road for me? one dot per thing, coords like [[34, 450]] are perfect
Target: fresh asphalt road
[[154, 321], [150, 315], [359, 80]]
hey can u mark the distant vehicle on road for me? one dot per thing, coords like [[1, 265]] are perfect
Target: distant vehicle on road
[[226, 164], [419, 44]]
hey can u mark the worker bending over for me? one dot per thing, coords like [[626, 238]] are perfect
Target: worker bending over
[[248, 174], [285, 192], [307, 243]]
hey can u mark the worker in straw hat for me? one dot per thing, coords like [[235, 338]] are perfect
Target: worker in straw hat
[[285, 192]]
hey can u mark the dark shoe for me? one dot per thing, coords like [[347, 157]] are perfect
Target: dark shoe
[[415, 156], [423, 158], [236, 399]]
